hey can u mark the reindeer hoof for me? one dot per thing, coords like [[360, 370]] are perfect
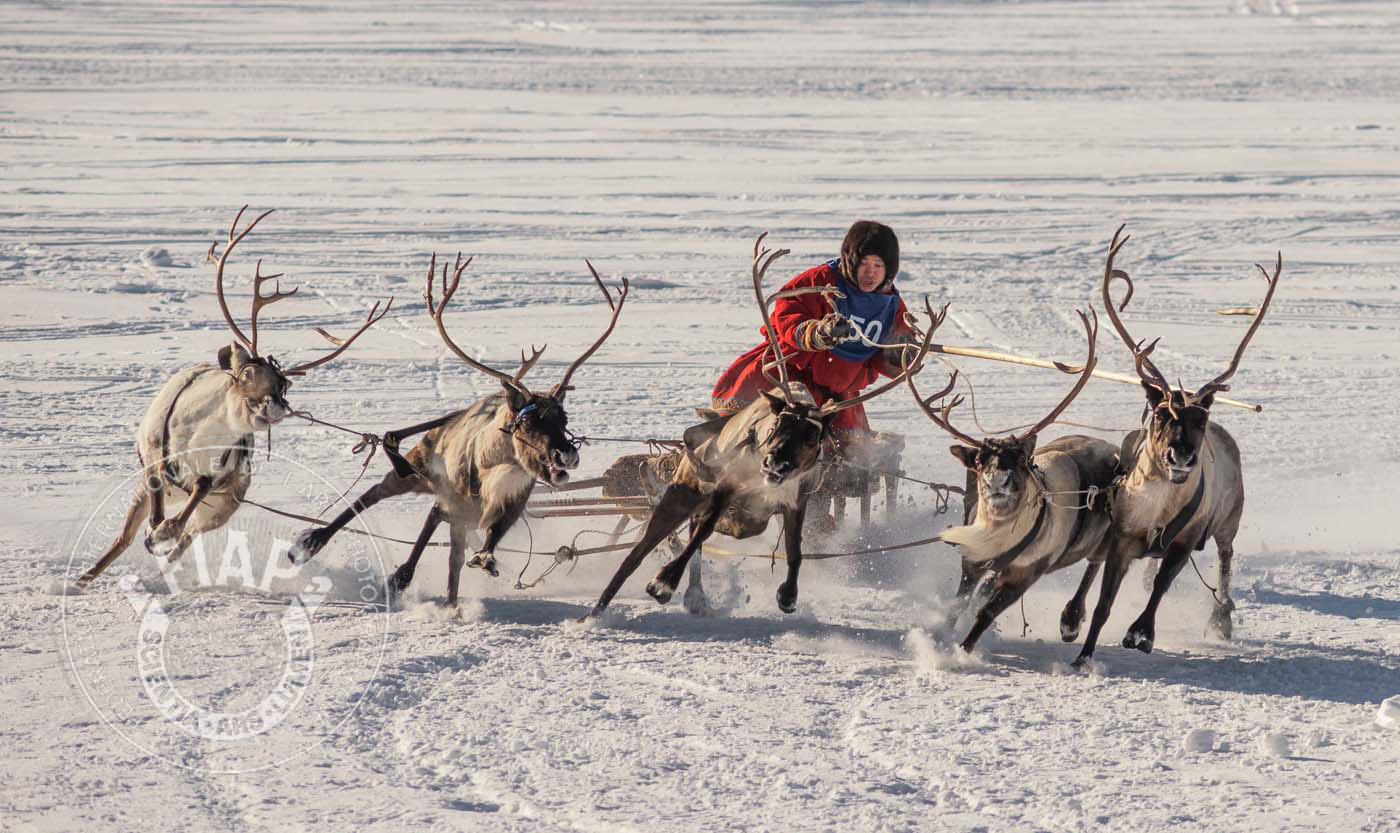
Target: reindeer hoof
[[1138, 639], [305, 547], [696, 604], [1069, 624], [163, 539], [1221, 624], [659, 589], [787, 598], [401, 578], [487, 563], [1081, 662]]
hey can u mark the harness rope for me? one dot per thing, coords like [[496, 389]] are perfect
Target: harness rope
[[570, 552]]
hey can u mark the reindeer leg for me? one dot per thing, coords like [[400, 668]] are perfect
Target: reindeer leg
[[694, 600], [1073, 614], [312, 540], [1221, 623], [664, 584], [135, 514], [401, 578], [970, 579], [1004, 595], [677, 503], [458, 536], [158, 542], [498, 520], [1114, 567], [1144, 629], [792, 532]]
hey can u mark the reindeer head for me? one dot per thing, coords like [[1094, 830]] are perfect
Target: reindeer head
[[539, 430], [259, 382], [1003, 467], [790, 437], [259, 386], [1176, 419], [538, 425]]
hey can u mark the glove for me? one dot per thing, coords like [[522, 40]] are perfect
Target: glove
[[897, 357], [826, 332]]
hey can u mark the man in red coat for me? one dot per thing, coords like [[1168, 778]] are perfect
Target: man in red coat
[[824, 351]]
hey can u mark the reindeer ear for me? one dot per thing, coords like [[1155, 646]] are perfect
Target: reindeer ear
[[1028, 443], [774, 402], [515, 398], [967, 456], [1154, 395], [233, 357], [1207, 400]]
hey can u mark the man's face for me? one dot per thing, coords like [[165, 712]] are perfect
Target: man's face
[[870, 273]]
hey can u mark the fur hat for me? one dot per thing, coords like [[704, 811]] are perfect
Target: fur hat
[[868, 237]]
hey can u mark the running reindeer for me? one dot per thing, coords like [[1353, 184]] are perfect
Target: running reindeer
[[208, 408], [739, 471], [1038, 509], [1182, 481], [480, 464]]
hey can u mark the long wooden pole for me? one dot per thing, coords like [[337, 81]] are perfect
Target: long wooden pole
[[1011, 358]]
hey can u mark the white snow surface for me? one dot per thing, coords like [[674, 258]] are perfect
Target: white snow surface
[[1003, 141]]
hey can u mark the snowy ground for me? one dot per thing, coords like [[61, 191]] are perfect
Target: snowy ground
[[1003, 141]]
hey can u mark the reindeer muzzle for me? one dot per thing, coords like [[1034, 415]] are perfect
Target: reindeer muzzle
[[269, 411], [1178, 466], [560, 462], [776, 471]]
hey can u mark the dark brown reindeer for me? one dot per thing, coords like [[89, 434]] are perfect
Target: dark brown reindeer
[[1038, 509], [741, 470], [1183, 482], [215, 408], [481, 463]]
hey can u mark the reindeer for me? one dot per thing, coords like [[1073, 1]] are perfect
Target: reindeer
[[215, 408], [480, 464], [1038, 510], [1182, 481], [739, 471]]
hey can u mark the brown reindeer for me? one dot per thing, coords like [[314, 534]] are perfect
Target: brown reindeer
[[480, 464], [740, 470], [1182, 484], [196, 438], [1038, 509]]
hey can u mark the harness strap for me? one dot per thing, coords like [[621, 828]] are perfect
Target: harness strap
[[167, 471], [391, 441], [1004, 560], [1178, 523]]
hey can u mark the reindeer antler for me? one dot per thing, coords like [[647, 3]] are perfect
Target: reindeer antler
[[941, 418], [910, 368], [1217, 384], [762, 259], [563, 387], [260, 300], [448, 290], [343, 344], [1146, 370], [234, 238], [1092, 333]]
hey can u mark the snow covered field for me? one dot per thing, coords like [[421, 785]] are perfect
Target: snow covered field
[[1003, 141]]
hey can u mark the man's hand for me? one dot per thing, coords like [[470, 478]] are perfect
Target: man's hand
[[827, 332], [897, 357]]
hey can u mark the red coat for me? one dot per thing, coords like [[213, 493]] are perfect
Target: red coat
[[822, 372]]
